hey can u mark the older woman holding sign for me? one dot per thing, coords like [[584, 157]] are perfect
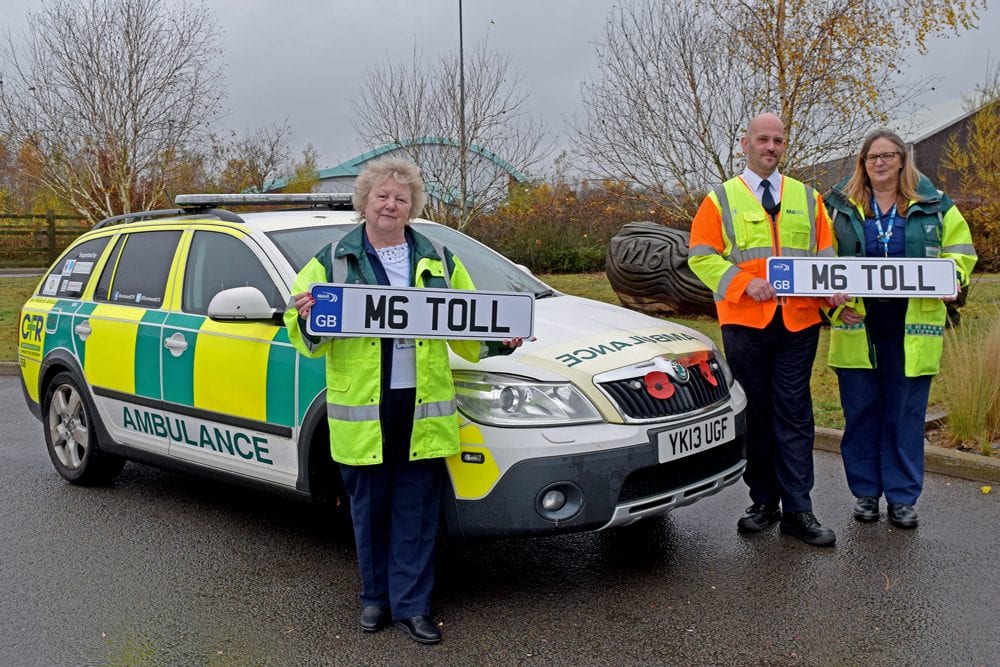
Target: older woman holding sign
[[390, 401], [886, 350]]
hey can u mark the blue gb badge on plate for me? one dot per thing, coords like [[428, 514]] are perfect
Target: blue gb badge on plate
[[327, 315]]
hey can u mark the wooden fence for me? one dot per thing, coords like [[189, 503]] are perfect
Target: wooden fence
[[36, 239]]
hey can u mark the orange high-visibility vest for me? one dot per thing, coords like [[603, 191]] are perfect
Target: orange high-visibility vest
[[732, 237]]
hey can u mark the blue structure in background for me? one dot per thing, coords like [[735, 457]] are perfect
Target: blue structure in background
[[341, 177]]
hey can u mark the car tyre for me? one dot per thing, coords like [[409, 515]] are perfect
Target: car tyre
[[71, 436]]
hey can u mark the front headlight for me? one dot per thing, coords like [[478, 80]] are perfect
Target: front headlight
[[507, 400]]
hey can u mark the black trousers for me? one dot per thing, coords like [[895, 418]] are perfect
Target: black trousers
[[774, 366], [395, 507]]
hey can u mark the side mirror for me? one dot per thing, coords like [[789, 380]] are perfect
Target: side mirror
[[241, 303]]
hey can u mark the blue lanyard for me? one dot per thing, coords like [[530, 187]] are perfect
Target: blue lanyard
[[883, 234]]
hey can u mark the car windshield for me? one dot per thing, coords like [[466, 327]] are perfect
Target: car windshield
[[489, 269]]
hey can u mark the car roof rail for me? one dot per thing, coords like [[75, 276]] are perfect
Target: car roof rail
[[202, 202], [208, 204], [140, 215]]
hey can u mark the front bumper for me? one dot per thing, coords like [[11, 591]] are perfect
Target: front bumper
[[608, 488]]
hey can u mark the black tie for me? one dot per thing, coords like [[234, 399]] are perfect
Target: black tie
[[767, 200]]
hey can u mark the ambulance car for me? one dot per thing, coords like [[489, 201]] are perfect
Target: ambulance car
[[157, 337]]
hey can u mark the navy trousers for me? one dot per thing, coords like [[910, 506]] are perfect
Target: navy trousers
[[884, 412], [774, 366], [394, 507]]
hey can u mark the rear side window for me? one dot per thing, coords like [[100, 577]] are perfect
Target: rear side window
[[218, 262], [136, 274], [70, 276]]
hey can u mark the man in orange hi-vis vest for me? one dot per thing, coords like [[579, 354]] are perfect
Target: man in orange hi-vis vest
[[770, 342]]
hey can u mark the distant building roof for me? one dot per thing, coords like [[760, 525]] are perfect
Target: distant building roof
[[928, 121]]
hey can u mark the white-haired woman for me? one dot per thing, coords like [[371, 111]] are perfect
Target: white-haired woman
[[390, 401]]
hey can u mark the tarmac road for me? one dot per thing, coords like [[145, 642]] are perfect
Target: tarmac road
[[167, 569]]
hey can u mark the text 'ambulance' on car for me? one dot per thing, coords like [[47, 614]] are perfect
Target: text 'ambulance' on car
[[157, 337]]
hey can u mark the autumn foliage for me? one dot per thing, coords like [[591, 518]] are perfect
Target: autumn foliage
[[976, 161], [561, 229]]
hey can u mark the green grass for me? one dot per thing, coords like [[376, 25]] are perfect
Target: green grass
[[13, 293], [984, 296]]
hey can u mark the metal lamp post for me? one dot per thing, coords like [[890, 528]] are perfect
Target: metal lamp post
[[463, 166]]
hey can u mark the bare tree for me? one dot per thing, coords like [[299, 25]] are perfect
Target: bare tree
[[678, 81], [255, 159], [665, 109], [417, 108], [108, 93]]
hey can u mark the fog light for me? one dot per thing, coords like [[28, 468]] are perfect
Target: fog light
[[553, 501], [559, 501]]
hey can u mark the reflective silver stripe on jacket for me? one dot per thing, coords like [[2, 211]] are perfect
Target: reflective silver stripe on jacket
[[727, 214], [960, 249], [727, 277], [702, 249], [306, 338], [740, 256], [439, 249], [436, 409], [352, 413], [364, 413], [811, 207]]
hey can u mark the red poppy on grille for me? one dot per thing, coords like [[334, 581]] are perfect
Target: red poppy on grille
[[706, 372], [658, 384]]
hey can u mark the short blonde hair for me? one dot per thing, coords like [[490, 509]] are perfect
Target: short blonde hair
[[859, 187], [398, 168]]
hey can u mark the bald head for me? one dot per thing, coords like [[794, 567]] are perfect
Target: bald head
[[764, 144], [768, 121]]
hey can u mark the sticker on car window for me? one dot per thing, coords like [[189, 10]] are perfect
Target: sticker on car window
[[51, 285]]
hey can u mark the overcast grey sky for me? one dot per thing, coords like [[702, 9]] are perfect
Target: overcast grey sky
[[302, 59]]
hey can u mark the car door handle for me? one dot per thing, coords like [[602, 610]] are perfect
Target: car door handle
[[83, 330], [176, 344]]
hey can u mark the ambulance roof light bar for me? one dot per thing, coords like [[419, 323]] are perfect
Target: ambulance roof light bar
[[337, 200]]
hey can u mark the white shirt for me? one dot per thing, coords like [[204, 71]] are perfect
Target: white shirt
[[396, 262], [753, 182]]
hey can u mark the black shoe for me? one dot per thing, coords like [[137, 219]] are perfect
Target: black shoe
[[757, 518], [421, 629], [807, 528], [374, 618], [902, 516], [866, 509]]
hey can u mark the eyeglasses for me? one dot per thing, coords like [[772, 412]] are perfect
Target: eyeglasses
[[885, 157]]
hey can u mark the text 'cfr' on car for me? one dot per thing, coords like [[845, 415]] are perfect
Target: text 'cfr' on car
[[157, 337]]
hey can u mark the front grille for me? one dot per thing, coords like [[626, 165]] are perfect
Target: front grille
[[654, 480], [634, 401]]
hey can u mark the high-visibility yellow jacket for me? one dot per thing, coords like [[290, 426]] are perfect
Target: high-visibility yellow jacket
[[934, 228], [354, 365], [732, 237]]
